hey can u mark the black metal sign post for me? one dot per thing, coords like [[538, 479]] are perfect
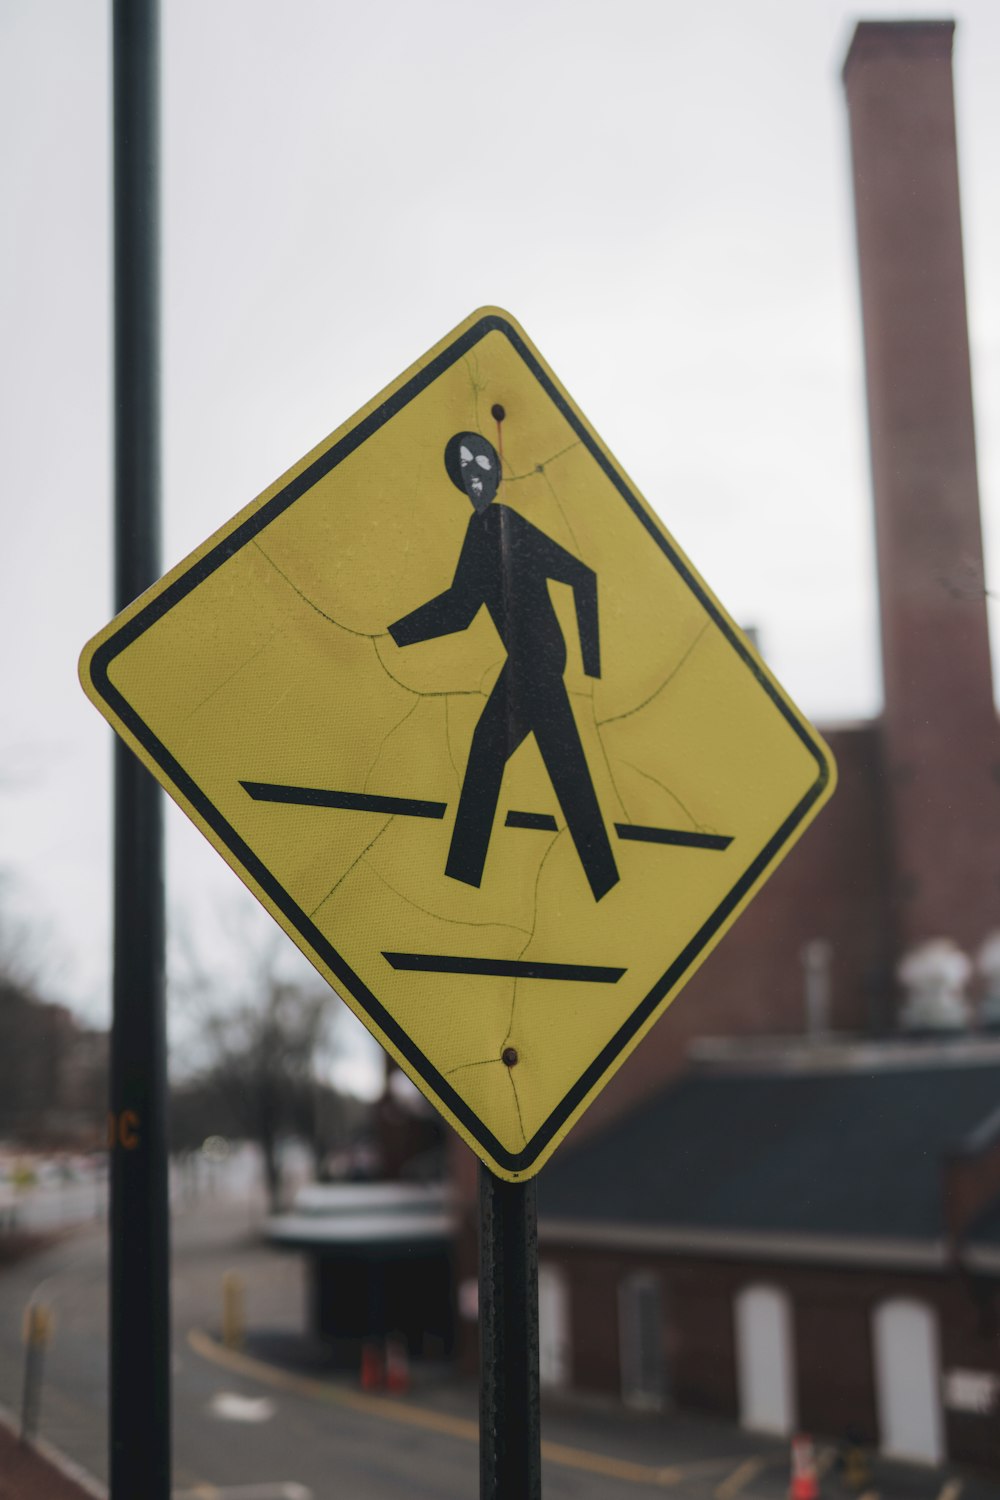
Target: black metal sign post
[[510, 1456], [140, 1257]]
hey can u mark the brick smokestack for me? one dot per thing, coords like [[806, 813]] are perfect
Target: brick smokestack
[[941, 746]]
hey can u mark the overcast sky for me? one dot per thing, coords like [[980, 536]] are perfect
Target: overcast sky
[[658, 191]]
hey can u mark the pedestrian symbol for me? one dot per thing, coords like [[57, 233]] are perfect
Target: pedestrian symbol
[[505, 566], [457, 709]]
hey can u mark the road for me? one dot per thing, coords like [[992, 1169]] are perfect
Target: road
[[245, 1430]]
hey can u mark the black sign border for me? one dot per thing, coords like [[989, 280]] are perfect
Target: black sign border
[[512, 1161]]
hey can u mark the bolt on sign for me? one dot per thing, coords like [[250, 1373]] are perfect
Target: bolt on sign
[[454, 705]]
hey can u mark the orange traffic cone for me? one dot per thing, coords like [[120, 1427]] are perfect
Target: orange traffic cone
[[397, 1366], [372, 1369], [805, 1481]]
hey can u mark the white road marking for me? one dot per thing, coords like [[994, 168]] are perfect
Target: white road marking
[[232, 1407]]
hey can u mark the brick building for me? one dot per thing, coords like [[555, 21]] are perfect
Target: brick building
[[871, 926], [909, 849], [803, 1237]]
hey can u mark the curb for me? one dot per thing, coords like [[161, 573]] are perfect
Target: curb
[[407, 1414], [56, 1459]]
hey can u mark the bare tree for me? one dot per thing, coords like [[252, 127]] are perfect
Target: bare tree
[[53, 1070], [263, 1063], [261, 1037]]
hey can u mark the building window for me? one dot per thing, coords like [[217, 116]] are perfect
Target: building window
[[908, 1380], [765, 1360], [553, 1327], [640, 1336]]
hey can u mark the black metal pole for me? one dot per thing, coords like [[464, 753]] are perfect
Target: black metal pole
[[140, 1258], [510, 1453]]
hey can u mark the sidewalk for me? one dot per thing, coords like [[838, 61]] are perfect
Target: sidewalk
[[25, 1474]]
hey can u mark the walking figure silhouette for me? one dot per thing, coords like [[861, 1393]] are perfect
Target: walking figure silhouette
[[505, 565]]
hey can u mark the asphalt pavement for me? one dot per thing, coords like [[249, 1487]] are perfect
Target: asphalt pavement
[[266, 1424]]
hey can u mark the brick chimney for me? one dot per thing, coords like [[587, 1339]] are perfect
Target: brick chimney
[[940, 743]]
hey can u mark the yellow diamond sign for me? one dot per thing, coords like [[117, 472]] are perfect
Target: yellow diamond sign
[[457, 709]]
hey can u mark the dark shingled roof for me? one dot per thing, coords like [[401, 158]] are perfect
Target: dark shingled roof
[[832, 1153]]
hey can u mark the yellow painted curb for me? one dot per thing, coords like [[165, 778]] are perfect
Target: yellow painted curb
[[419, 1416], [740, 1477]]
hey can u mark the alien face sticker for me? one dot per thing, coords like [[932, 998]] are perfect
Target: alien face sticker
[[473, 466]]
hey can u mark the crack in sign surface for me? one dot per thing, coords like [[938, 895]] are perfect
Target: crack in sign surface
[[517, 1104], [540, 468], [698, 827], [351, 868], [385, 742], [219, 687], [362, 634], [424, 692], [453, 921], [627, 713]]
